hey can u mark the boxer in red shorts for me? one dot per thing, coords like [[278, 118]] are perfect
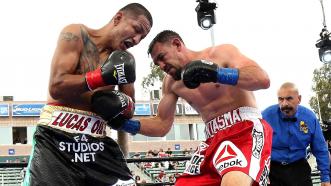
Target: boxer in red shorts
[[236, 141], [218, 82]]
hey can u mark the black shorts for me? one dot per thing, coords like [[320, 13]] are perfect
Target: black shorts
[[62, 158]]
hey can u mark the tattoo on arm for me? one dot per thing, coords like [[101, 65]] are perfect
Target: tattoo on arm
[[68, 36]]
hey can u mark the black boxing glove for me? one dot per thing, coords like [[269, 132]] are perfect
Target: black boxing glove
[[110, 104], [119, 68], [202, 71]]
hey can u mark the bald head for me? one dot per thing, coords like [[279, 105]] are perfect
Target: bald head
[[289, 85], [288, 98]]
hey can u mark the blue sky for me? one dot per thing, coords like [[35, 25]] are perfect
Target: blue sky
[[278, 34]]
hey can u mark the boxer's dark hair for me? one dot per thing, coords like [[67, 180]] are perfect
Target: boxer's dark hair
[[163, 37], [137, 9]]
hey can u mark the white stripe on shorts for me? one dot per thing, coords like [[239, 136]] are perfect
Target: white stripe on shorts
[[257, 147]]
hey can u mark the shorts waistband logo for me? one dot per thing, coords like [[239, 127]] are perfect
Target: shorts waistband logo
[[222, 122], [77, 123]]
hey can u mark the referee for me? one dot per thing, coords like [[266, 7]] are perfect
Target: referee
[[294, 129]]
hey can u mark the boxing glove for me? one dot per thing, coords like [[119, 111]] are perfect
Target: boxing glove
[[109, 104], [128, 125], [202, 71], [119, 68]]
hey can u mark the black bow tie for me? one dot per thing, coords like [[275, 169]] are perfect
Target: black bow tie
[[290, 119]]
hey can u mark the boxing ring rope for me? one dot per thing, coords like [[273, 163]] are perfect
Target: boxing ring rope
[[128, 160], [155, 184], [138, 160], [11, 165], [177, 158]]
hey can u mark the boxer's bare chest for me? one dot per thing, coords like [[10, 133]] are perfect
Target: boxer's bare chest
[[201, 96], [90, 57]]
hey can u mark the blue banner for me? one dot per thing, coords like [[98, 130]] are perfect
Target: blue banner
[[4, 109], [142, 109], [11, 151], [27, 109]]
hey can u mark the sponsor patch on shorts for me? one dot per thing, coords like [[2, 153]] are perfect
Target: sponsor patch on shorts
[[258, 141], [82, 149], [193, 166], [228, 155]]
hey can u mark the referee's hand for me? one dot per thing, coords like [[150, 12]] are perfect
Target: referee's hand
[[325, 184]]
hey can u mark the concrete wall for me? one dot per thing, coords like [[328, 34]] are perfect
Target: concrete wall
[[20, 150]]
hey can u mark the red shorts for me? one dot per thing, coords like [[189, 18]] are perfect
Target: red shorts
[[236, 141]]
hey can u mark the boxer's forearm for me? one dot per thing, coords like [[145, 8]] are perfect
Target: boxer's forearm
[[253, 78], [66, 86], [155, 126], [325, 184]]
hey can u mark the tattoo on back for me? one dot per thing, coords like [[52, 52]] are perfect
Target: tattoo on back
[[68, 36]]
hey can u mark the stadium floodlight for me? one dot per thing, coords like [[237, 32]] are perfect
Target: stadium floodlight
[[205, 14], [324, 46], [324, 43]]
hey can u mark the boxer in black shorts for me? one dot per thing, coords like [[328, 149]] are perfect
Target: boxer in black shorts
[[63, 155], [70, 145]]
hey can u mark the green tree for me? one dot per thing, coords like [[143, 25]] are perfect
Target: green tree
[[155, 75], [321, 102]]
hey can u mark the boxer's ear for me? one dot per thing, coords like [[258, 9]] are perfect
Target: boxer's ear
[[177, 43], [117, 18]]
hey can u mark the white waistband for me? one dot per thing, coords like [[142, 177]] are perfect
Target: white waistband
[[230, 118], [72, 120]]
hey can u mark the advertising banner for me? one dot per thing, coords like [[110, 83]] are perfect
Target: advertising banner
[[27, 109], [4, 109], [142, 109]]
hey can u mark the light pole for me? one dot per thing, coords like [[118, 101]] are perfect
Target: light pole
[[212, 36], [318, 105]]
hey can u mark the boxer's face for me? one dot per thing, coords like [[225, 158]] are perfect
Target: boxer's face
[[129, 31], [166, 57], [288, 100]]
